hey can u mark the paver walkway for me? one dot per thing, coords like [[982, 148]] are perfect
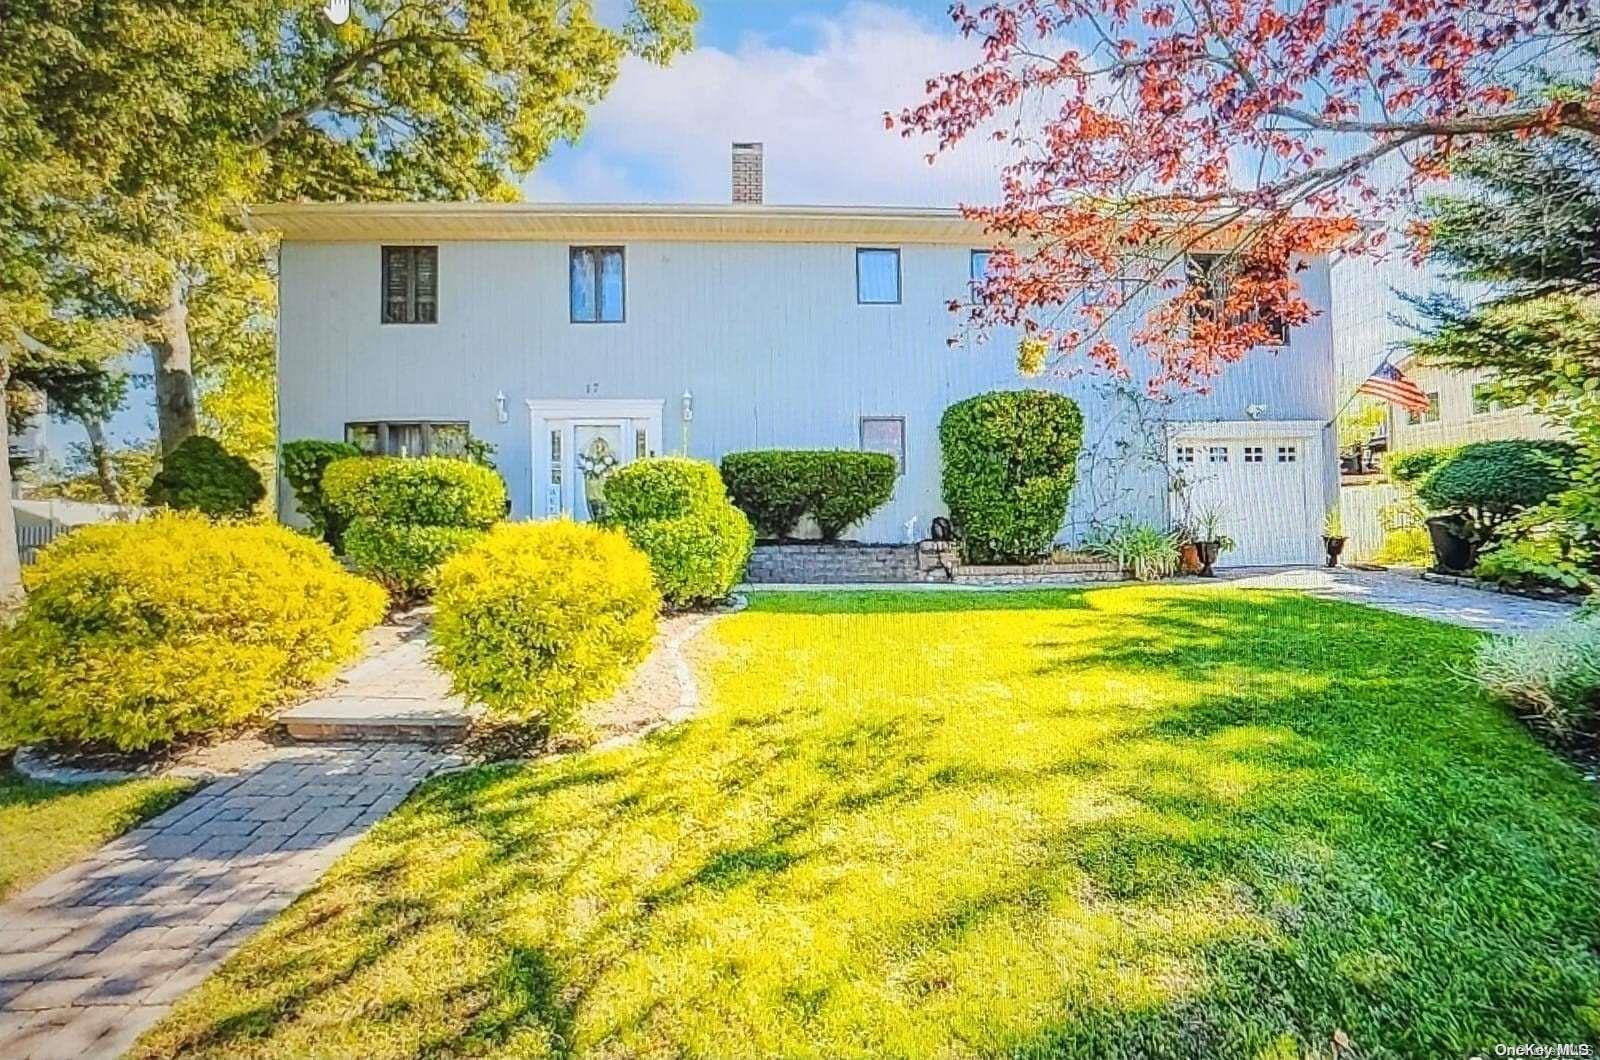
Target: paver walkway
[[94, 955], [394, 693]]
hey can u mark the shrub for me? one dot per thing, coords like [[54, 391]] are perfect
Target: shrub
[[1410, 466], [426, 491], [303, 463], [138, 634], [1145, 553], [1405, 546], [406, 516], [1539, 560], [537, 619], [836, 487], [199, 475], [1553, 673], [1010, 460], [1487, 483], [677, 512], [401, 558]]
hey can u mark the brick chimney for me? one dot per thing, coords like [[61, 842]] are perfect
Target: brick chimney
[[747, 178]]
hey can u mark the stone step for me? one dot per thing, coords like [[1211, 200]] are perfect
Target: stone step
[[377, 718]]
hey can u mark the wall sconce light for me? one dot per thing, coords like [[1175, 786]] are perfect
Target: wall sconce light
[[688, 406], [338, 11], [1254, 411], [500, 413]]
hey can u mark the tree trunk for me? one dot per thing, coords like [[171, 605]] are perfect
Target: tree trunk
[[174, 369], [10, 563], [102, 459]]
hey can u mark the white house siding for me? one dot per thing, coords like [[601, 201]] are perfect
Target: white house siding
[[767, 336]]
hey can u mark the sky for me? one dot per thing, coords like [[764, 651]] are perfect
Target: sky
[[811, 81]]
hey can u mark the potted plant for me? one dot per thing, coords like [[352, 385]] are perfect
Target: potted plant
[[1333, 539], [1188, 551], [1210, 543]]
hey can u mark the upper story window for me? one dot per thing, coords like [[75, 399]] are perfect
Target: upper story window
[[1209, 273], [1431, 416], [409, 437], [1486, 400], [877, 276], [410, 285], [597, 285], [978, 265]]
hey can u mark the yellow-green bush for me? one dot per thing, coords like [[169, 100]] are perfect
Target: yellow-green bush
[[677, 511], [538, 619], [135, 635], [403, 559]]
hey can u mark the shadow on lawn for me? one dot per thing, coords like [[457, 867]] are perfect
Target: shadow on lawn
[[1280, 821]]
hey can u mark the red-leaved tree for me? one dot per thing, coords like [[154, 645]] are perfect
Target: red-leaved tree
[[1170, 161]]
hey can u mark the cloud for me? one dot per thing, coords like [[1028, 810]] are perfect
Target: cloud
[[663, 134]]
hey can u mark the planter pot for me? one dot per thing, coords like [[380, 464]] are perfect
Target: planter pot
[[1189, 558], [1333, 546], [1453, 551], [1207, 551]]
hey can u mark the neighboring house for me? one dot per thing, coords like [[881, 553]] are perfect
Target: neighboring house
[[571, 336], [1371, 323]]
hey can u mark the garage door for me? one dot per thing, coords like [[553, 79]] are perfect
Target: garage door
[[1265, 486]]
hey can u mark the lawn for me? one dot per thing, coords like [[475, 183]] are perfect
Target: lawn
[[44, 827], [1131, 821]]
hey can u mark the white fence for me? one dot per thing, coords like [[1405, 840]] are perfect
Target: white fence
[[41, 522], [1369, 511]]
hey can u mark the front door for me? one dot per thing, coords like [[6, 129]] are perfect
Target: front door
[[579, 444]]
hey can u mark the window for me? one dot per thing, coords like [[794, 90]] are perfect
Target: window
[[1486, 400], [641, 444], [1185, 454], [1288, 454], [410, 285], [877, 276], [1217, 454], [885, 434], [1209, 273], [1254, 454], [597, 285], [409, 437], [1431, 416], [979, 266]]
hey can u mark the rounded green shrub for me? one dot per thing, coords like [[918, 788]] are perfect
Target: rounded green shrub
[[677, 512], [406, 516], [537, 619], [1010, 461], [138, 634], [303, 463], [836, 487], [425, 491], [400, 557], [199, 475], [1410, 466], [1488, 483]]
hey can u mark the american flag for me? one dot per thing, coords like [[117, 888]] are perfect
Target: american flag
[[1387, 383]]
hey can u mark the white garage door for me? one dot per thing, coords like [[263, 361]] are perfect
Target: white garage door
[[1265, 486]]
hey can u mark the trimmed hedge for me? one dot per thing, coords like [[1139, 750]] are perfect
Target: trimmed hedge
[[200, 475], [537, 619], [836, 487], [303, 463], [1010, 461], [425, 491], [677, 512], [404, 559], [1411, 465], [407, 516], [1489, 482], [138, 634]]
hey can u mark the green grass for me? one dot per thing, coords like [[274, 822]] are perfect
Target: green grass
[[44, 827], [1123, 822]]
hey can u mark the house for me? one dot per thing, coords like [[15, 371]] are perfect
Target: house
[[571, 337]]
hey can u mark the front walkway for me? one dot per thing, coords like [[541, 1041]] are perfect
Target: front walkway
[[95, 954]]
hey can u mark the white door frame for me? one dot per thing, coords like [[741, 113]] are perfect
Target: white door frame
[[565, 414]]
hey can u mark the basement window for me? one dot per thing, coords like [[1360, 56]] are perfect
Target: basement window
[[885, 434]]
